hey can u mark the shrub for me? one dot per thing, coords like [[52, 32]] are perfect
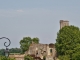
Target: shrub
[[28, 57], [6, 58]]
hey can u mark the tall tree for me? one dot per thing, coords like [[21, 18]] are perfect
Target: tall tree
[[26, 41], [68, 42], [36, 40]]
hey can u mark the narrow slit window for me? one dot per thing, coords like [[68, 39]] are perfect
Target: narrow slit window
[[50, 50]]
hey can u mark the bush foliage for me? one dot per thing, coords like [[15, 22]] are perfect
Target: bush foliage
[[28, 57], [6, 58]]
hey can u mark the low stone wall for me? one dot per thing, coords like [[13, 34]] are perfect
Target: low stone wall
[[17, 57]]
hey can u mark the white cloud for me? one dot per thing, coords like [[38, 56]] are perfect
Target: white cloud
[[20, 11]]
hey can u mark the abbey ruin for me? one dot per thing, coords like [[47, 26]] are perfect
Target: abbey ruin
[[41, 50]]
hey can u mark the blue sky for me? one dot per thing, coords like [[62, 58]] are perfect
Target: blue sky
[[35, 18]]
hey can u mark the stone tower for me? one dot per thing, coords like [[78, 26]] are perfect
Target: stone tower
[[64, 23]]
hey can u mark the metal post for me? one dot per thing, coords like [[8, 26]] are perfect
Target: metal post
[[7, 50]]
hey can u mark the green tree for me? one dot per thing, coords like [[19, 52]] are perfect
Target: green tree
[[26, 41], [76, 56], [2, 52], [11, 51], [36, 40], [65, 57], [15, 50], [68, 42]]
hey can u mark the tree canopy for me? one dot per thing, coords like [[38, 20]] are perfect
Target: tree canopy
[[11, 51], [68, 42], [26, 41]]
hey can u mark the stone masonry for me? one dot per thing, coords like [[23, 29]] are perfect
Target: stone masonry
[[64, 23], [41, 50]]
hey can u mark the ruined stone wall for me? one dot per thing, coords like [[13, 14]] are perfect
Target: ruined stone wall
[[17, 57], [39, 50]]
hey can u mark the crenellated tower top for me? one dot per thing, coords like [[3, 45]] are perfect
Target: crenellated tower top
[[64, 23]]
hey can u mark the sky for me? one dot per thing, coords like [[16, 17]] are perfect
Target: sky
[[35, 18]]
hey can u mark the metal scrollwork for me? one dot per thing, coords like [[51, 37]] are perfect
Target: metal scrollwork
[[6, 42]]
